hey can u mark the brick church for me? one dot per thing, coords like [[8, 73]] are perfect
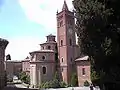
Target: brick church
[[43, 61]]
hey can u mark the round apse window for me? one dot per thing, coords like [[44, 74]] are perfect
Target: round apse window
[[43, 57]]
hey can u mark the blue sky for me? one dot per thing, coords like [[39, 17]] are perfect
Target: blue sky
[[25, 24]]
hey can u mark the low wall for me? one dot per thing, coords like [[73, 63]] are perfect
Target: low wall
[[71, 88]]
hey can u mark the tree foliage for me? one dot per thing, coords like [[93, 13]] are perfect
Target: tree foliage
[[86, 83], [98, 31], [24, 77], [55, 83], [8, 57], [74, 80]]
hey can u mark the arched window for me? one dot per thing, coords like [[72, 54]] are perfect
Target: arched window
[[62, 59], [62, 69], [44, 70], [43, 47], [61, 42], [71, 59], [70, 41], [43, 57], [83, 71], [49, 47]]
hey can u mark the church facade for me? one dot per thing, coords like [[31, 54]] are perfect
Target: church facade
[[43, 61]]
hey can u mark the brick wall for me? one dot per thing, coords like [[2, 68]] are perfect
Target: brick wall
[[83, 76]]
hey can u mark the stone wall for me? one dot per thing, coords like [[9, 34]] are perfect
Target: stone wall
[[13, 68], [26, 66], [3, 45]]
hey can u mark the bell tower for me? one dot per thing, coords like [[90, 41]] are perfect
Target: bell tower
[[66, 42]]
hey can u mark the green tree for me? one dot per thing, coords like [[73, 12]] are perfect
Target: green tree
[[74, 80], [47, 85], [56, 80], [8, 57], [63, 84], [25, 77], [86, 83], [98, 31], [55, 83]]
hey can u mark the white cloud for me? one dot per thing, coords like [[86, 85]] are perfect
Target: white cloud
[[20, 47], [43, 11]]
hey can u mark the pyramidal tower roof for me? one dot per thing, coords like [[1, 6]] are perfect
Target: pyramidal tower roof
[[65, 7]]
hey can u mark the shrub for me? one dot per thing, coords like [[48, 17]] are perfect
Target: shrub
[[74, 80], [41, 85], [55, 83], [69, 85], [24, 77], [63, 84], [46, 85], [9, 79], [86, 83]]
